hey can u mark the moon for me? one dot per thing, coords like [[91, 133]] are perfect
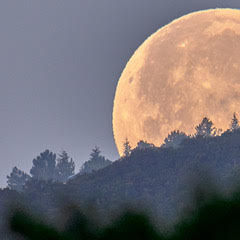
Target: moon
[[185, 71]]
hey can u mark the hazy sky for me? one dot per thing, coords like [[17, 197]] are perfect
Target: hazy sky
[[59, 66]]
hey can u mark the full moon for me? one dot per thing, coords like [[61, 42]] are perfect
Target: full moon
[[185, 71]]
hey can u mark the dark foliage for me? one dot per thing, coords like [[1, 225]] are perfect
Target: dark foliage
[[65, 166], [205, 128], [144, 145], [130, 225], [95, 162], [7, 198], [17, 179], [156, 177], [48, 167], [44, 166], [216, 218], [159, 177], [126, 148], [174, 139], [234, 123]]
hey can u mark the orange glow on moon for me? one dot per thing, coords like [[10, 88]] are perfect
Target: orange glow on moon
[[188, 69]]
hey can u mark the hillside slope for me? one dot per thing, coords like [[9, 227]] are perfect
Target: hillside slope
[[161, 178]]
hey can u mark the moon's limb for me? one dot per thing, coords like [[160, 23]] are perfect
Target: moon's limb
[[186, 70]]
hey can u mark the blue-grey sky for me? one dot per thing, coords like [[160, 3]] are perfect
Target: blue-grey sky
[[59, 66]]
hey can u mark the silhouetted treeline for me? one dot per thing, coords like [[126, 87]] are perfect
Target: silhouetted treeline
[[48, 167], [154, 177]]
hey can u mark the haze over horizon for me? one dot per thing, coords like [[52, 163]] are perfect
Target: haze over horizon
[[60, 64]]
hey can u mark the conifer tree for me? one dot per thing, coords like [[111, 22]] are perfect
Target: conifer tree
[[17, 179], [65, 166], [126, 148], [205, 128], [95, 162], [234, 123]]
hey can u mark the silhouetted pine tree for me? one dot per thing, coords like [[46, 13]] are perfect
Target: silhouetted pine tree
[[126, 148], [205, 128], [95, 162], [65, 166], [17, 179], [234, 123]]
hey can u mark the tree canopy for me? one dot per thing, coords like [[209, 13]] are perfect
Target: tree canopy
[[174, 139], [17, 179], [205, 128], [234, 123], [65, 166], [95, 162], [126, 148], [44, 166]]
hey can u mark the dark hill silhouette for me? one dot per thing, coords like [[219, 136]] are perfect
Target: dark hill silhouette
[[159, 177], [162, 179]]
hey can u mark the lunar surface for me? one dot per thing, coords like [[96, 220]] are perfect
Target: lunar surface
[[185, 71]]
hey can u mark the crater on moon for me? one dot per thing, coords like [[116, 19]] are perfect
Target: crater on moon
[[188, 69]]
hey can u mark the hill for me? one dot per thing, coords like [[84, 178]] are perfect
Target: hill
[[162, 178]]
